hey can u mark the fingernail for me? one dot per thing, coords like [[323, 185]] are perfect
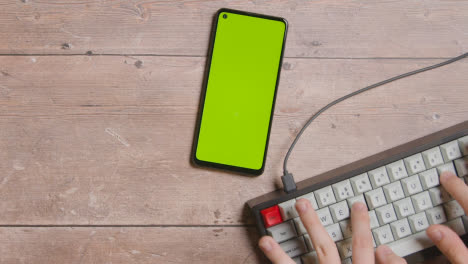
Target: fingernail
[[265, 245], [386, 250], [435, 235], [359, 206], [445, 176], [301, 206]]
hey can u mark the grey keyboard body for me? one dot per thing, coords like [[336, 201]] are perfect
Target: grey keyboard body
[[400, 187]]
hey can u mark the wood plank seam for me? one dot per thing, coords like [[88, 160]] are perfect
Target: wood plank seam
[[143, 226], [200, 56]]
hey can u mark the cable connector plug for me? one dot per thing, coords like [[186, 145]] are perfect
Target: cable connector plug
[[289, 185]]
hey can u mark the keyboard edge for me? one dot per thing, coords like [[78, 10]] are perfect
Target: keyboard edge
[[357, 167]]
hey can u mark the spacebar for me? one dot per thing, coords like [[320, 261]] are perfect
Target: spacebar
[[420, 241], [411, 244]]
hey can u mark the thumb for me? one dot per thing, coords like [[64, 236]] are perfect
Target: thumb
[[385, 255]]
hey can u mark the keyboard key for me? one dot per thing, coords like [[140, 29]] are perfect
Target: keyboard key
[[297, 260], [294, 247], [359, 198], [300, 228], [310, 258], [346, 228], [383, 235], [439, 195], [453, 209], [403, 208], [421, 201], [311, 197], [375, 198], [288, 210], [361, 184], [271, 216], [345, 248], [342, 190], [347, 261], [411, 244], [411, 185], [450, 151], [308, 242], [325, 196], [324, 216], [419, 241], [396, 170], [400, 228], [378, 177], [335, 232], [461, 166], [414, 164], [339, 211], [418, 222], [429, 178], [282, 232], [373, 219], [385, 214], [432, 157], [463, 144], [446, 167], [457, 226], [436, 215], [393, 191]]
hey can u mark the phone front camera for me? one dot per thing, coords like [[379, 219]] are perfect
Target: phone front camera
[[224, 16]]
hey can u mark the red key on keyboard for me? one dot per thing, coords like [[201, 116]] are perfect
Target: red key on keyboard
[[271, 216]]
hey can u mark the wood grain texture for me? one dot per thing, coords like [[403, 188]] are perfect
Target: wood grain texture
[[100, 140], [127, 245], [351, 28], [94, 150]]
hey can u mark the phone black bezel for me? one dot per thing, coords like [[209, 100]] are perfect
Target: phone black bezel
[[194, 158]]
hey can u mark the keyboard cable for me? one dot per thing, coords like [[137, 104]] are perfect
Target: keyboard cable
[[289, 185]]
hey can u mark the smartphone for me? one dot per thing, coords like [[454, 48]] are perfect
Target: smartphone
[[238, 97]]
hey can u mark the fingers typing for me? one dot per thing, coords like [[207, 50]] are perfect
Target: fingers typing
[[273, 251], [323, 244], [456, 187], [449, 243], [363, 250], [384, 255]]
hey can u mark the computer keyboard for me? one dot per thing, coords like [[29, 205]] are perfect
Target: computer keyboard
[[400, 187]]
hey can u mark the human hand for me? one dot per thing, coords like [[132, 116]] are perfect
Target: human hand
[[443, 237], [362, 245], [448, 242]]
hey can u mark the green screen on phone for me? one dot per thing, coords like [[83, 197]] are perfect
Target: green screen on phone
[[240, 90]]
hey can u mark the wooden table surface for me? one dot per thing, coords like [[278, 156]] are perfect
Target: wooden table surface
[[98, 103]]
